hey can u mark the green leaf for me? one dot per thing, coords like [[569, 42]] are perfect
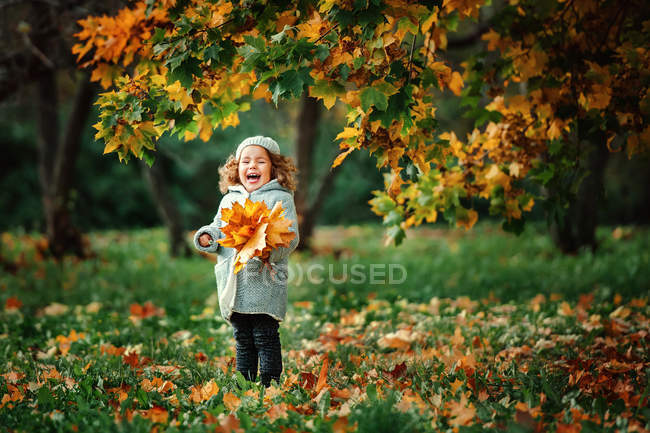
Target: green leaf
[[277, 38], [428, 79], [327, 90], [212, 52], [45, 398], [396, 234], [383, 203], [371, 97], [158, 36], [185, 72], [324, 404], [257, 43], [142, 394], [290, 83], [545, 176], [149, 157], [322, 52]]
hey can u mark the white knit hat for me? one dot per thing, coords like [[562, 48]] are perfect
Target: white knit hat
[[265, 142]]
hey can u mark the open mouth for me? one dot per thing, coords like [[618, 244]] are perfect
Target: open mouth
[[253, 177]]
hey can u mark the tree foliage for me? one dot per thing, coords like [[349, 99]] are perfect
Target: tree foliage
[[551, 75]]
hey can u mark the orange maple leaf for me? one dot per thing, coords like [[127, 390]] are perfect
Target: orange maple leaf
[[156, 414], [254, 231], [131, 359], [461, 412], [202, 393], [148, 309]]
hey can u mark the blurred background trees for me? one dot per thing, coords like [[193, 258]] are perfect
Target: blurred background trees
[[37, 72]]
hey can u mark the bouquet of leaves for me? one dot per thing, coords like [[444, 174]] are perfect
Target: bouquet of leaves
[[254, 230]]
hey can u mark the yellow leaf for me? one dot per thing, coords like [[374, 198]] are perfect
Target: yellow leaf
[[554, 130], [495, 176], [311, 29], [205, 128], [158, 80], [328, 92], [426, 24], [456, 83], [112, 145], [149, 129], [178, 93], [348, 133], [339, 159]]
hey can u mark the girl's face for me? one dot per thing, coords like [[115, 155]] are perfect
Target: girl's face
[[254, 167]]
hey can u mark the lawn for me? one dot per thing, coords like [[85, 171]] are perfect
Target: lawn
[[451, 331]]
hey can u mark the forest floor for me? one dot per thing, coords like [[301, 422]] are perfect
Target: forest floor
[[451, 331]]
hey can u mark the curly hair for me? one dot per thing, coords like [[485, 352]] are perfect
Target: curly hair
[[282, 169]]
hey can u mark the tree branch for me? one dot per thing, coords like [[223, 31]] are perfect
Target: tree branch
[[326, 33], [325, 185]]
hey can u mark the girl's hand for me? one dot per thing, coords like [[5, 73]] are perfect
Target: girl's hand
[[205, 240]]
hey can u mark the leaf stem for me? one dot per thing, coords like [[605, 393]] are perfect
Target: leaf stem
[[410, 68]]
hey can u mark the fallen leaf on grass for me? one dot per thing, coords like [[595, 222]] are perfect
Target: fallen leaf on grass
[[155, 414], [461, 412], [322, 378], [200, 393], [13, 303], [231, 401]]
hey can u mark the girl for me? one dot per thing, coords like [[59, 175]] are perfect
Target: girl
[[255, 300]]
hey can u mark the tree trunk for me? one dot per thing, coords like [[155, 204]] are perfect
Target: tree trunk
[[307, 210], [577, 227], [167, 208], [57, 160]]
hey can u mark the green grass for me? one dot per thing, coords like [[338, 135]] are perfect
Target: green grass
[[465, 331], [484, 261], [135, 267]]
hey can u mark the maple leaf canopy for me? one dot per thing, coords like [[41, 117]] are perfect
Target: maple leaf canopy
[[545, 80]]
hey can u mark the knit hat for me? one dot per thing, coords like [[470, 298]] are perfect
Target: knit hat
[[265, 142]]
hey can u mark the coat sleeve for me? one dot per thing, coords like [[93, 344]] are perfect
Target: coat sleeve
[[214, 230], [289, 207]]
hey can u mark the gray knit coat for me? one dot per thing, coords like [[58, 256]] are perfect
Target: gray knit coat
[[258, 291]]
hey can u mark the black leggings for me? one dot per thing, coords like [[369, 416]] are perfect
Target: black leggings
[[257, 337]]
